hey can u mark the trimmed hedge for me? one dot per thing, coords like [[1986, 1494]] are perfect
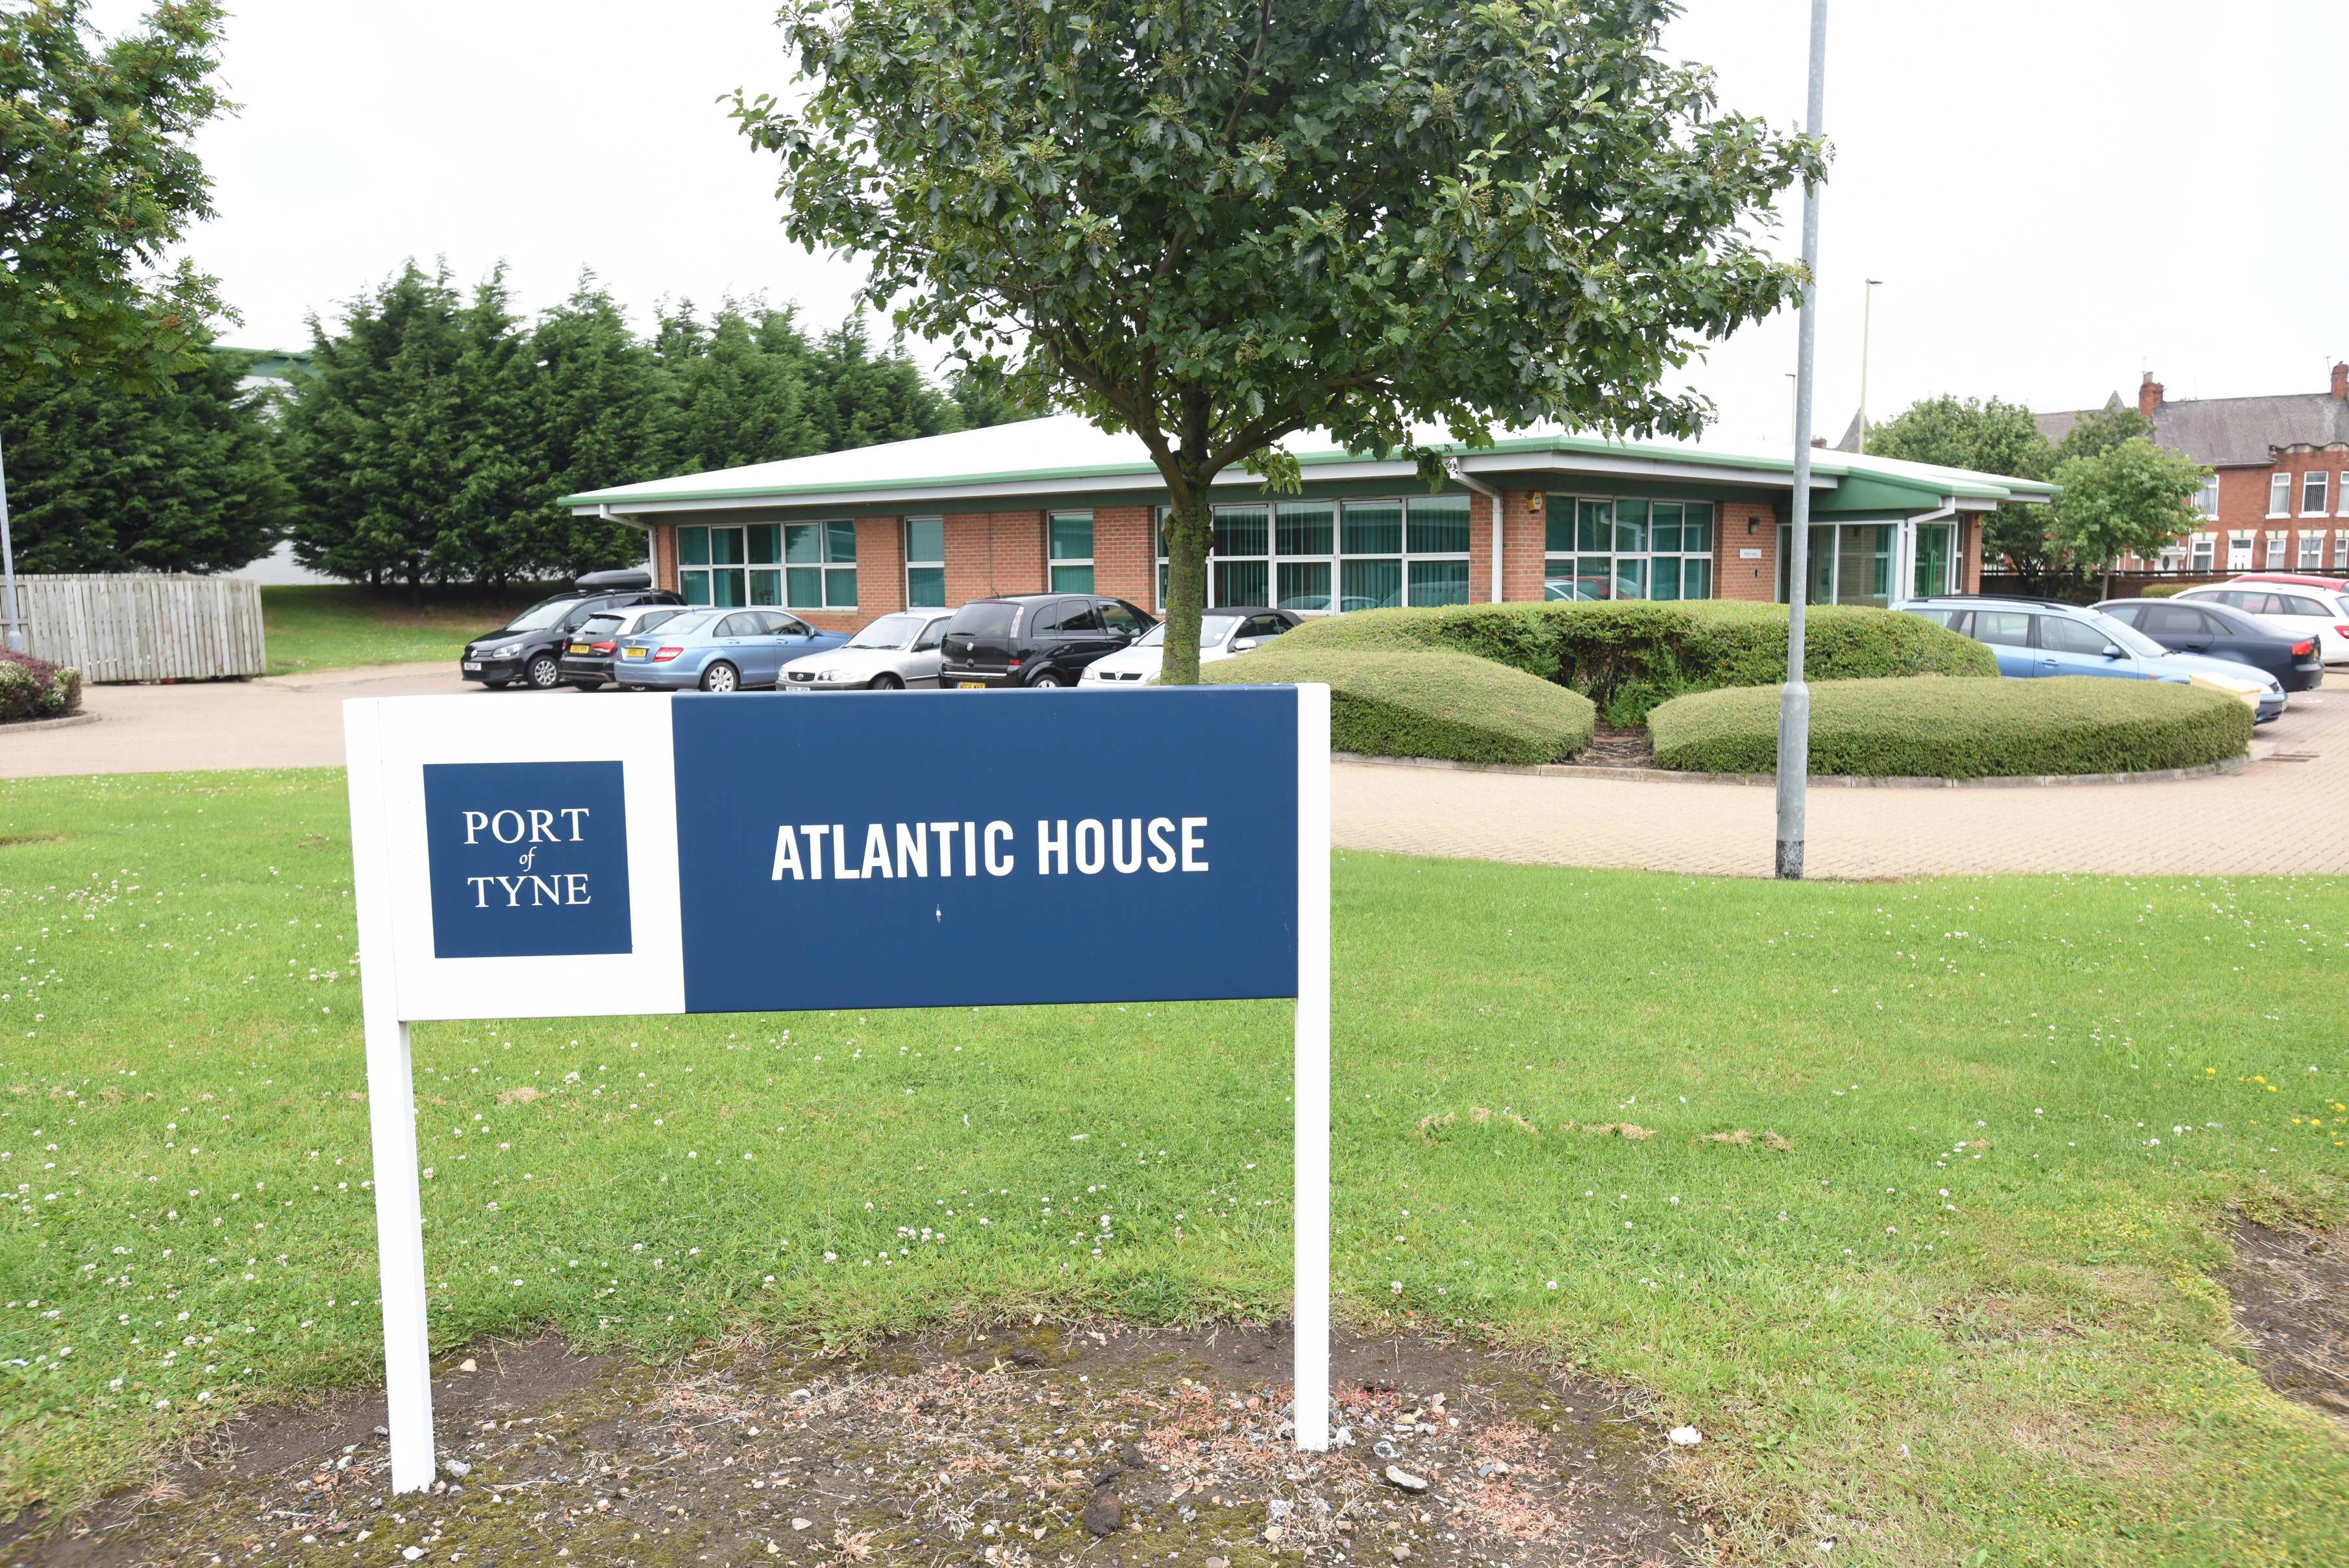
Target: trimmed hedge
[[1933, 728], [1629, 655], [1425, 703], [33, 687]]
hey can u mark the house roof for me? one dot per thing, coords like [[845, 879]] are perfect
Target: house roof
[[2231, 432], [1066, 453]]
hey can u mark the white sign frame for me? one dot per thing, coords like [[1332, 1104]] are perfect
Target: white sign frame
[[387, 744]]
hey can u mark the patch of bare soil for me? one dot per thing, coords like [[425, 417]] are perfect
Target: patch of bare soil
[[1025, 1446], [2290, 1292], [1612, 748]]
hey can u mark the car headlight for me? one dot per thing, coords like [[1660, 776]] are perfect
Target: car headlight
[[827, 675], [503, 651]]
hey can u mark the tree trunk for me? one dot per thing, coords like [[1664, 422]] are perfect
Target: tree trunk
[[1190, 531]]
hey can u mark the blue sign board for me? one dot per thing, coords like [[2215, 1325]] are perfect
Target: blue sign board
[[528, 859]]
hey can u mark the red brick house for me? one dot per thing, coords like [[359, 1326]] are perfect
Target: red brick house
[[2280, 501], [1055, 504]]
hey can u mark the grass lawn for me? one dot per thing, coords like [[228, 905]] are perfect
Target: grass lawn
[[1961, 1307], [333, 627]]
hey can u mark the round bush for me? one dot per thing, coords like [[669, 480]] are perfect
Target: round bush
[[1931, 728], [1425, 703], [33, 687], [1628, 655]]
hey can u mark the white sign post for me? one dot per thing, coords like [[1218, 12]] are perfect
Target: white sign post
[[548, 858]]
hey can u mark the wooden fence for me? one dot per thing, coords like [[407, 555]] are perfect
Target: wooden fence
[[138, 627]]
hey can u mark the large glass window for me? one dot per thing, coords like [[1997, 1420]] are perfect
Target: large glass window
[[820, 566], [1070, 540], [1320, 556], [926, 563], [1628, 549], [735, 565], [1850, 563], [2312, 486], [1937, 547]]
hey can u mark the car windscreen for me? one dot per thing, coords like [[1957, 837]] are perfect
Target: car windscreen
[[683, 624], [1212, 629], [599, 625], [993, 620], [544, 614], [2128, 636], [889, 631]]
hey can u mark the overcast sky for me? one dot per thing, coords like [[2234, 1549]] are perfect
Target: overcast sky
[[2057, 194]]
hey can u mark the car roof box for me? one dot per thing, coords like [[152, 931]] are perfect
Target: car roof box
[[626, 577]]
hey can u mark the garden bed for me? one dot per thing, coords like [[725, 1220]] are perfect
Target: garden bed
[[1427, 703]]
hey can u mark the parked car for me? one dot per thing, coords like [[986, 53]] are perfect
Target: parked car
[[718, 650], [1224, 631], [2033, 638], [2320, 613], [1035, 639], [586, 661], [2223, 631], [892, 653], [529, 648], [2300, 579]]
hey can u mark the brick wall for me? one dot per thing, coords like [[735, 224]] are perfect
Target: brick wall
[[1734, 576], [2243, 506], [1125, 553], [1970, 552], [663, 552], [994, 553], [1524, 540], [880, 567]]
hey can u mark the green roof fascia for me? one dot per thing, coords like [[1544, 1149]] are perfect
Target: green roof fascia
[[1823, 464]]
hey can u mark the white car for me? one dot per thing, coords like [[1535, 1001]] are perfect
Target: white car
[[1223, 631], [2301, 610], [894, 652]]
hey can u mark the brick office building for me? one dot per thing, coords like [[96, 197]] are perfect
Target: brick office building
[[2280, 499], [1055, 504]]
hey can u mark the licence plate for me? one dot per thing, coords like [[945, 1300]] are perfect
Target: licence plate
[[578, 647], [631, 653], [473, 664], [972, 685]]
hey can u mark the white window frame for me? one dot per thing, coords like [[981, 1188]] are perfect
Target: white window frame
[[905, 539], [2316, 482], [2280, 495], [1054, 565], [2277, 552], [829, 568], [2341, 493], [2205, 500], [2340, 548], [1571, 504], [1334, 560], [2204, 553], [705, 575], [2311, 549]]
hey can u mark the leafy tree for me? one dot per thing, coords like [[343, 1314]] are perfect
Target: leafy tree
[[2128, 498], [1221, 223], [600, 406], [2101, 429], [985, 394], [742, 386], [1987, 436], [99, 179], [863, 398], [180, 476]]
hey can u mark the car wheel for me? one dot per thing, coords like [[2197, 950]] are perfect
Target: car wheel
[[545, 674], [885, 682], [1050, 681], [721, 677]]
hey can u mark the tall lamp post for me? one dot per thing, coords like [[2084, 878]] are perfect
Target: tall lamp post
[[12, 624], [1866, 310], [1794, 699]]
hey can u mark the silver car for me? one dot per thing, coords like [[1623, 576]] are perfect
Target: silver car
[[894, 652]]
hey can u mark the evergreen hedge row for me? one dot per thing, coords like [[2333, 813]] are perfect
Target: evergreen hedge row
[[1629, 655], [1931, 727], [1425, 702]]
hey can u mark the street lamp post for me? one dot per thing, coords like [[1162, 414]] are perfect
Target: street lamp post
[[1866, 310], [1795, 698], [12, 624]]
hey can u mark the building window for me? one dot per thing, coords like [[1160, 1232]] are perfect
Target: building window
[[2341, 493], [1626, 549], [2205, 553], [2312, 492], [729, 566], [1936, 559], [1069, 536], [1851, 564], [2312, 551], [2278, 495], [2205, 500], [2340, 548], [820, 566], [926, 563], [1315, 556], [2275, 552]]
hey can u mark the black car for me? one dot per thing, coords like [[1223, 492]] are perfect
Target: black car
[[529, 648], [1035, 639], [2222, 631]]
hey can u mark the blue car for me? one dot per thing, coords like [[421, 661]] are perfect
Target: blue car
[[718, 650], [2033, 638]]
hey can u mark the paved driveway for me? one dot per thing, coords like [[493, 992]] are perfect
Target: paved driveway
[[2282, 814]]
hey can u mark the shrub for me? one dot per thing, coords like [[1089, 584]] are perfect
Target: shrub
[[1932, 728], [1629, 655], [1425, 703], [33, 687]]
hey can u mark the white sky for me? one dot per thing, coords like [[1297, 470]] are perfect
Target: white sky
[[2058, 193]]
